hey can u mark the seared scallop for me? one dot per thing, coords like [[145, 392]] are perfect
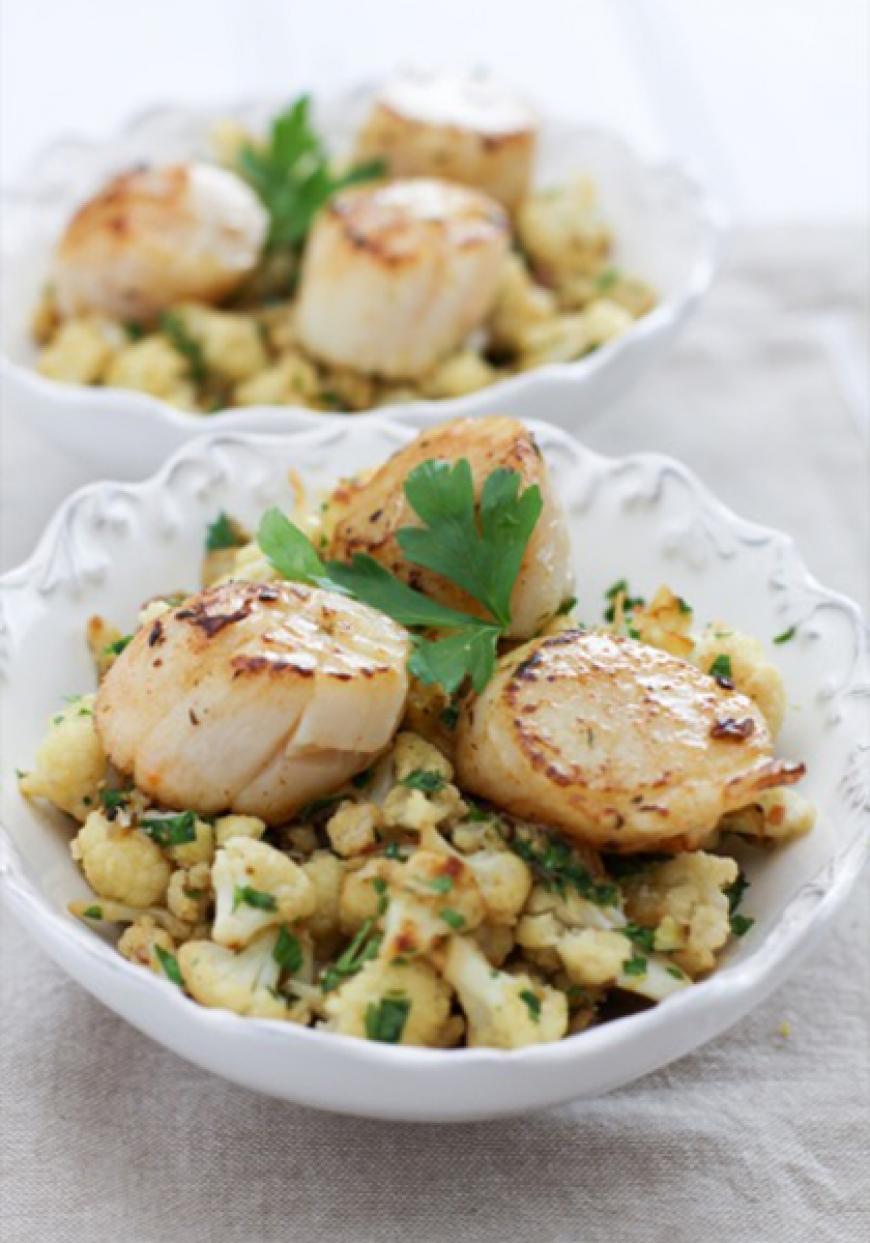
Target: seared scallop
[[622, 746], [396, 275], [465, 127], [254, 698], [156, 236], [366, 515]]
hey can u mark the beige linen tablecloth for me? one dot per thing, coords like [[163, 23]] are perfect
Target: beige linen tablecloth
[[760, 1136]]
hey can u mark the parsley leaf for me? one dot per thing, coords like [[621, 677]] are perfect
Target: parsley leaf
[[643, 938], [470, 650], [93, 912], [288, 550], [170, 830], [786, 635], [740, 924], [441, 884], [607, 279], [386, 1019], [558, 867], [721, 668], [256, 898], [223, 533], [533, 1004], [424, 779], [170, 966], [173, 327], [636, 965], [452, 918], [292, 177], [118, 646], [287, 951], [363, 947]]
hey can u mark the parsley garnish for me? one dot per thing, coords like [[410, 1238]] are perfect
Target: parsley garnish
[[721, 668], [478, 548], [643, 938], [113, 800], [173, 327], [380, 887], [452, 918], [629, 602], [253, 897], [93, 912], [288, 951], [636, 965], [559, 868], [682, 606], [386, 1019], [170, 830], [566, 606], [118, 646], [441, 884], [740, 924], [360, 950], [393, 851], [533, 1004], [786, 635], [222, 533], [735, 892], [675, 972], [424, 779], [292, 176], [607, 279], [170, 966]]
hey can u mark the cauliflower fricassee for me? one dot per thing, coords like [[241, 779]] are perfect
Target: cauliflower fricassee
[[425, 267], [375, 776]]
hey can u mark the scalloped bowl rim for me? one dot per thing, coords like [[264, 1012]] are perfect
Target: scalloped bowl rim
[[669, 313], [744, 982]]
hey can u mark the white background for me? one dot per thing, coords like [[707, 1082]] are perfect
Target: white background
[[767, 97]]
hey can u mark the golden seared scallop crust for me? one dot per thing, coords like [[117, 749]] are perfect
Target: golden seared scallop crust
[[463, 127], [365, 516], [396, 275], [254, 698], [156, 236], [622, 746]]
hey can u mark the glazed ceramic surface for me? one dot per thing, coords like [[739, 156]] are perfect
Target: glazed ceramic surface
[[668, 231], [644, 518]]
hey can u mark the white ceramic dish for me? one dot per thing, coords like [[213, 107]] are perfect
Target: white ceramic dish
[[111, 546], [668, 230]]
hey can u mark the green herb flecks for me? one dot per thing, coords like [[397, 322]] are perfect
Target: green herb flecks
[[740, 924], [116, 648], [361, 949], [426, 780], [256, 898], [643, 938], [170, 830], [620, 590], [93, 912], [287, 952], [558, 868], [786, 636], [636, 965], [173, 327], [605, 280], [386, 1019], [292, 176], [441, 884], [224, 532], [720, 669], [170, 966], [533, 1004]]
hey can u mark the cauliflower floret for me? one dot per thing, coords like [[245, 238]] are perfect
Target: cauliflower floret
[[139, 943], [104, 643], [70, 764], [470, 836], [200, 850], [109, 912], [463, 372], [561, 232], [690, 888], [504, 1011], [256, 886], [232, 345], [351, 829], [414, 754], [81, 351], [227, 827], [121, 863], [605, 321], [504, 882], [776, 815], [292, 381], [400, 1003], [557, 340], [153, 366], [247, 982], [663, 623], [593, 959], [430, 897], [519, 305], [410, 810], [744, 663], [188, 895], [326, 874], [361, 893]]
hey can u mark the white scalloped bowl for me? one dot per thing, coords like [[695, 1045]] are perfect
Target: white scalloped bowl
[[112, 545], [668, 230]]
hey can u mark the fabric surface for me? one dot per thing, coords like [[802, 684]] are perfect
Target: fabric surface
[[761, 1135]]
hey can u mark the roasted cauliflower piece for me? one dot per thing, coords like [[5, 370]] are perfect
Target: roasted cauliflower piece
[[189, 893], [503, 1010], [741, 660], [247, 982], [121, 863], [395, 1003], [776, 815], [563, 234], [139, 943], [256, 887], [231, 344], [70, 764], [81, 350], [352, 829], [430, 897]]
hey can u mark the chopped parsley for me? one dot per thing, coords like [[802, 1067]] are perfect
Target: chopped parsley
[[223, 533], [676, 973], [257, 898], [682, 606], [393, 851], [287, 951], [636, 965], [93, 912], [620, 589], [170, 830], [441, 884], [643, 938], [449, 716], [735, 892], [476, 813], [533, 1004], [740, 924], [786, 635], [380, 887], [173, 327], [607, 279], [452, 918], [566, 606], [170, 966], [113, 800], [721, 668], [424, 779], [386, 1019], [558, 868], [362, 948], [116, 648]]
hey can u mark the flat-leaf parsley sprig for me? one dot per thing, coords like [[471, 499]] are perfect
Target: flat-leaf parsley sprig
[[477, 548]]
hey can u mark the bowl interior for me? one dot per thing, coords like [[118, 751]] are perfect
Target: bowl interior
[[642, 518]]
